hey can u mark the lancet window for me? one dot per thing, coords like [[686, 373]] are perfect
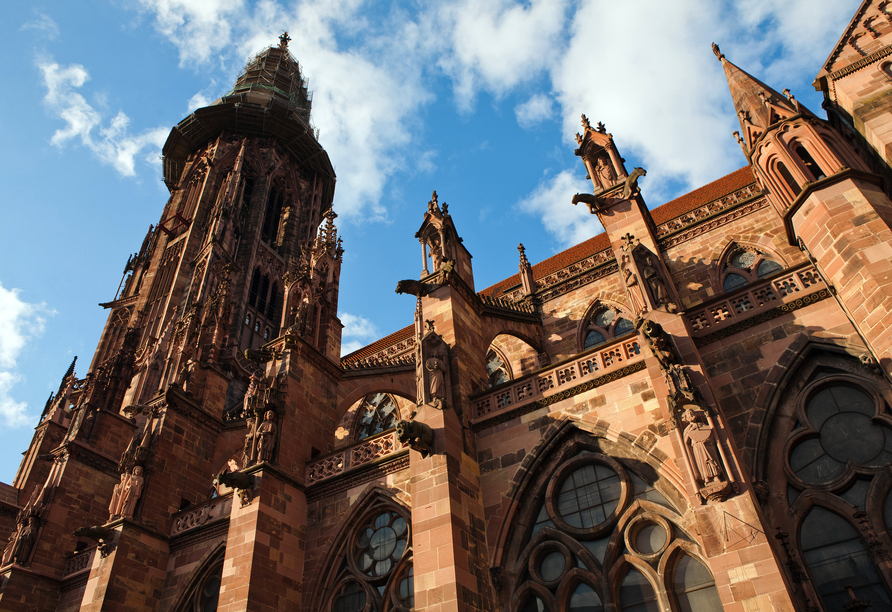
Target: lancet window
[[377, 413], [839, 491], [269, 231], [603, 324], [746, 265], [814, 170], [375, 574], [204, 593], [266, 303], [604, 538]]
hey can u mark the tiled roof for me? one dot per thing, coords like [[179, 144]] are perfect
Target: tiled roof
[[668, 211], [712, 191], [383, 343]]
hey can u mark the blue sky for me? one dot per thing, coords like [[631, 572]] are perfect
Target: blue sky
[[476, 99]]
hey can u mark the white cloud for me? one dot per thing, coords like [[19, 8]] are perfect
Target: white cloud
[[113, 144], [498, 44], [19, 321], [551, 202], [44, 24], [199, 28], [358, 331], [199, 100], [535, 110]]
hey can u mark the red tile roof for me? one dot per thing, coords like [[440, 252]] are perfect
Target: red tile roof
[[668, 211], [383, 343]]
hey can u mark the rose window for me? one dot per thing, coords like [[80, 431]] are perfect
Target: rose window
[[381, 543], [377, 413]]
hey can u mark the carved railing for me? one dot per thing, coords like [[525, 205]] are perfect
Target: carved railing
[[507, 304], [395, 354], [591, 364], [379, 361], [706, 210], [79, 562], [366, 451], [199, 516], [753, 299]]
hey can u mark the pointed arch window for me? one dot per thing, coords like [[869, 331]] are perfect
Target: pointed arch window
[[837, 452], [204, 593], [496, 368], [788, 178], [746, 265], [377, 413], [604, 324], [808, 161], [375, 573], [269, 231], [595, 531]]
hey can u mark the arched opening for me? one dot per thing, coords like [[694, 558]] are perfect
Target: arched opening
[[604, 323], [808, 161]]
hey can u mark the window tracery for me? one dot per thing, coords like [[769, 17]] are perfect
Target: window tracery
[[837, 451], [496, 368], [745, 265], [603, 324], [376, 573], [204, 592], [604, 538], [377, 413]]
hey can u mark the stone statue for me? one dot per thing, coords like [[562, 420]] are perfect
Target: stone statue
[[130, 492], [266, 437], [633, 288], [606, 175], [659, 343], [114, 507], [699, 440], [248, 452], [250, 394], [654, 281], [24, 541], [417, 435], [436, 384]]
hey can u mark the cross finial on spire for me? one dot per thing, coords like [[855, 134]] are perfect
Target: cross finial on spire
[[283, 40], [718, 52]]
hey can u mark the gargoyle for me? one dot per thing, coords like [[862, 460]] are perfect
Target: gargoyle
[[259, 355], [594, 202], [103, 537], [417, 435], [414, 287], [631, 189], [234, 480]]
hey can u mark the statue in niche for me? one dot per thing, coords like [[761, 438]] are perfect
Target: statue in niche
[[266, 437], [248, 451], [114, 507], [437, 386], [654, 282], [606, 175], [700, 442], [250, 394], [436, 252], [130, 492], [21, 540], [633, 288]]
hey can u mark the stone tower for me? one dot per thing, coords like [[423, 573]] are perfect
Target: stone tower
[[199, 351]]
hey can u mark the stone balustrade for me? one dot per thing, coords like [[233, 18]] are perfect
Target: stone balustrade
[[194, 518], [754, 299], [361, 453], [79, 562], [591, 364]]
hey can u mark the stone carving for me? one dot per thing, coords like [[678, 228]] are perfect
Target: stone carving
[[21, 540], [417, 435], [238, 481], [633, 287], [103, 536], [266, 437], [705, 460], [416, 288], [656, 284], [126, 494], [630, 189], [598, 203], [658, 341], [437, 385]]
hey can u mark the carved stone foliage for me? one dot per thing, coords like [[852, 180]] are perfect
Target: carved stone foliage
[[195, 518]]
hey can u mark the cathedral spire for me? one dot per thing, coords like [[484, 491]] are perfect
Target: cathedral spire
[[758, 106]]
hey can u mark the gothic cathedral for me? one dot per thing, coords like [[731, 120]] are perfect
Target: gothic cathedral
[[691, 411]]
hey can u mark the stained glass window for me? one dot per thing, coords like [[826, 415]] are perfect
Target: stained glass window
[[745, 266], [381, 543], [589, 495], [694, 587], [377, 413], [496, 369], [636, 594]]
